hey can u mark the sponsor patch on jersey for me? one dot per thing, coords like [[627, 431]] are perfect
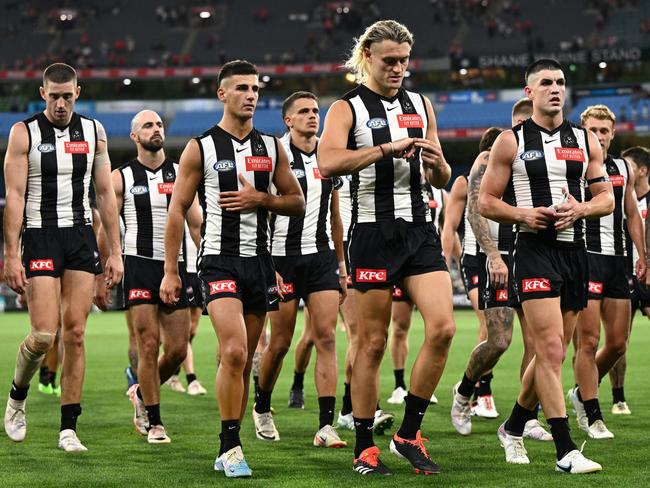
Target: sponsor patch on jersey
[[298, 173], [617, 180], [139, 190], [46, 147], [222, 286], [536, 284], [76, 147], [317, 174], [166, 188], [259, 163], [531, 155], [595, 287], [377, 123], [41, 265], [502, 295], [433, 203], [139, 294], [371, 275], [224, 165], [410, 121], [570, 154]]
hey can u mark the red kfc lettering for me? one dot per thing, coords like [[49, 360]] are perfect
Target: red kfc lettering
[[139, 294], [595, 287], [41, 265], [371, 275], [502, 295], [287, 288], [536, 284], [475, 280], [222, 286], [397, 292]]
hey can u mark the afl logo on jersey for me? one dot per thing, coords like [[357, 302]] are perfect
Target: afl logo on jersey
[[298, 173], [377, 123], [139, 190], [531, 155], [46, 148], [224, 165]]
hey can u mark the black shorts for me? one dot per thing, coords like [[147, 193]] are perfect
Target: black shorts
[[469, 269], [194, 291], [545, 271], [142, 278], [608, 277], [400, 294], [307, 274], [382, 254], [50, 250], [488, 296], [640, 295], [250, 280], [348, 281]]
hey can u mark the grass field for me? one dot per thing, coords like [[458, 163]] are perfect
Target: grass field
[[118, 457]]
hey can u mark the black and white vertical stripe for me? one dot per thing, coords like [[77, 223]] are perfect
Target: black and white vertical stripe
[[309, 233], [391, 188], [147, 194], [632, 254], [60, 162], [436, 204], [190, 252], [606, 234], [547, 162], [224, 158], [345, 204]]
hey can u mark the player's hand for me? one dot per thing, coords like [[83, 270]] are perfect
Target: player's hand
[[248, 198], [568, 212], [170, 288], [498, 272], [538, 218], [431, 154], [102, 297], [113, 270], [279, 283], [402, 148], [641, 269], [15, 275], [343, 292]]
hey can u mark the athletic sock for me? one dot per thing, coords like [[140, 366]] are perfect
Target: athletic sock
[[618, 395], [190, 377], [534, 412], [52, 379], [326, 411], [229, 435], [43, 376], [178, 371], [363, 432], [413, 415], [17, 393], [592, 409], [561, 436], [484, 385], [153, 414], [263, 404], [517, 420], [578, 394], [347, 400], [466, 387], [399, 378], [298, 380], [69, 415]]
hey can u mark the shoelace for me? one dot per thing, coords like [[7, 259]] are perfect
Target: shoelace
[[235, 456], [266, 421], [519, 449], [419, 443], [18, 418]]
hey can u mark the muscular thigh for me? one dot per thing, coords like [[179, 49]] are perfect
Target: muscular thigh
[[43, 302], [76, 293], [432, 294]]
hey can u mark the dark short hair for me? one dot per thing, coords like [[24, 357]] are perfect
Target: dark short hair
[[59, 73], [521, 106], [541, 64], [488, 138], [236, 67], [640, 155], [291, 99]]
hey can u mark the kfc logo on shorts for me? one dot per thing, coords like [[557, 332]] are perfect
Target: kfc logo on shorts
[[287, 288], [410, 121], [165, 188], [41, 265], [596, 288], [78, 147], [570, 154], [536, 284], [139, 294], [222, 286], [348, 280], [371, 275], [475, 280], [259, 163], [397, 292], [502, 295]]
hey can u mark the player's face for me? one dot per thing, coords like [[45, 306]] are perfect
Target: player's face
[[150, 133], [304, 117], [387, 63], [604, 130], [546, 89], [59, 100], [239, 93]]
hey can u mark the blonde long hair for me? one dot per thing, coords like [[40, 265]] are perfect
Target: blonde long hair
[[382, 30]]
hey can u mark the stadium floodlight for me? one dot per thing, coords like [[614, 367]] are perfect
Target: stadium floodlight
[[205, 14], [350, 78], [462, 71], [266, 78], [126, 81], [196, 80], [602, 65]]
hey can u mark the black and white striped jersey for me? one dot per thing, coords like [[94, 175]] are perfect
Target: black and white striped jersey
[[391, 188], [547, 162], [642, 204], [224, 158], [190, 252], [606, 235], [146, 197], [469, 243], [309, 233], [345, 204], [436, 204], [60, 164]]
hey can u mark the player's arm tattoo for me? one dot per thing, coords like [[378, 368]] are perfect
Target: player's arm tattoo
[[479, 223]]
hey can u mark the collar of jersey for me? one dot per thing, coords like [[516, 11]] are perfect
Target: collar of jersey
[[546, 131], [240, 141], [388, 99], [147, 168], [308, 154], [72, 119]]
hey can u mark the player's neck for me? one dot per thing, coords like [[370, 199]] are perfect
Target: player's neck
[[151, 160], [641, 187], [306, 143], [56, 124], [548, 122], [240, 128], [381, 90]]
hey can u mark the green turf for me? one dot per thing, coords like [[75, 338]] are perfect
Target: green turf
[[119, 457]]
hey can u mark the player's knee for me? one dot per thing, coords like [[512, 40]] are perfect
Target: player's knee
[[443, 334], [234, 356], [400, 330], [39, 343], [279, 347], [551, 351], [73, 337], [588, 344], [500, 343], [177, 353], [325, 340], [618, 346], [375, 347]]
